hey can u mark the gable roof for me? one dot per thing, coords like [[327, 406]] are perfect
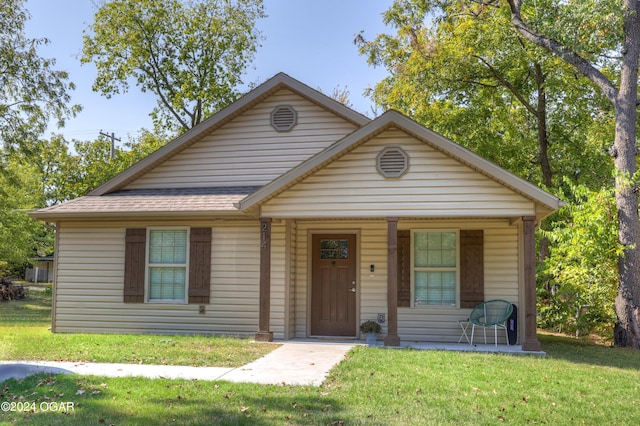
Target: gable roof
[[278, 82], [391, 119]]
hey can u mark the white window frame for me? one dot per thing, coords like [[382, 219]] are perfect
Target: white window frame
[[456, 305], [149, 265]]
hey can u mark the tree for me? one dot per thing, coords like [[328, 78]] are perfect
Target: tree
[[191, 54], [21, 237], [461, 70], [617, 27], [32, 92], [92, 165], [581, 265]]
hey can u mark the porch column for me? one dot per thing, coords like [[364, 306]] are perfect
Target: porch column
[[263, 334], [392, 338], [530, 339]]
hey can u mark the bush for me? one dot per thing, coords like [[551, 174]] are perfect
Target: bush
[[578, 290]]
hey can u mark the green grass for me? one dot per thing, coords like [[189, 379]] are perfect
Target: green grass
[[578, 383], [25, 335], [33, 312], [575, 384]]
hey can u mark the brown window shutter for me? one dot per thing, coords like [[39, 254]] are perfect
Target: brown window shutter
[[471, 268], [404, 268], [200, 265], [134, 264]]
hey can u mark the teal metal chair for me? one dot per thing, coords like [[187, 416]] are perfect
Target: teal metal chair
[[491, 314]]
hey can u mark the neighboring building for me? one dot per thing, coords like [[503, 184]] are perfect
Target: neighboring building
[[41, 271], [289, 215]]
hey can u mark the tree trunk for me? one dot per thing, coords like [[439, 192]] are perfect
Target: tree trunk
[[624, 100], [627, 331], [543, 134]]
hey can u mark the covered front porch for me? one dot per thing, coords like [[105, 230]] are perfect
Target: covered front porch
[[287, 299]]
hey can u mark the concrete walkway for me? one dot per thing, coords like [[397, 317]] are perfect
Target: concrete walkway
[[305, 363]]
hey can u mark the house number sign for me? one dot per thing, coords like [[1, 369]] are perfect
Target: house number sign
[[264, 230]]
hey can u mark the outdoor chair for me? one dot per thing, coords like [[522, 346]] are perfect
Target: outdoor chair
[[493, 313]]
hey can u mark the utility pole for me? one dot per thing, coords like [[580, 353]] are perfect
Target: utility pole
[[113, 143]]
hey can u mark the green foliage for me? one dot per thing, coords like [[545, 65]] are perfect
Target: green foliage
[[579, 289], [20, 236], [32, 92], [460, 69], [191, 55], [49, 172]]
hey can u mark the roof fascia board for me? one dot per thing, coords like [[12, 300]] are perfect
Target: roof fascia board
[[279, 81], [48, 216], [394, 118]]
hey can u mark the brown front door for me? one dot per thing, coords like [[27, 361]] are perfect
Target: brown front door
[[333, 286]]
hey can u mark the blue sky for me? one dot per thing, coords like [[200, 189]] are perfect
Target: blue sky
[[311, 40]]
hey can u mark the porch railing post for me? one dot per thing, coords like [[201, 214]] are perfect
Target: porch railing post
[[263, 334], [530, 341], [392, 338]]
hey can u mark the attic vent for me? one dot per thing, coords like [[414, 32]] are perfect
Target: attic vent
[[392, 162], [283, 118]]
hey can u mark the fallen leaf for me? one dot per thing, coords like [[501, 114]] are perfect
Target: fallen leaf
[[80, 391]]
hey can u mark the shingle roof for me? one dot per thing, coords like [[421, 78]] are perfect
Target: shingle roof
[[151, 201]]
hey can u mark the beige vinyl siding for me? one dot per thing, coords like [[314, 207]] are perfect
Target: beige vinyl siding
[[89, 290], [435, 185], [432, 324], [248, 151]]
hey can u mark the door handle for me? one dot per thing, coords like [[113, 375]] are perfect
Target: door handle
[[352, 290]]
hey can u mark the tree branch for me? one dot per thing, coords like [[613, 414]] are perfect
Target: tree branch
[[568, 55], [506, 83]]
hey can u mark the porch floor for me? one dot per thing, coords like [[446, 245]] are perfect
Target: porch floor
[[434, 346]]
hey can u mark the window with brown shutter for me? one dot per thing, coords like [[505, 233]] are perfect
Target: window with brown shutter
[[471, 268], [200, 265], [134, 264]]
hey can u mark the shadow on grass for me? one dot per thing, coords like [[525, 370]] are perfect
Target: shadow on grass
[[583, 352], [134, 401]]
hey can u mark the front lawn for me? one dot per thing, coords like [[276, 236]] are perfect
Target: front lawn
[[578, 383], [25, 335], [575, 384]]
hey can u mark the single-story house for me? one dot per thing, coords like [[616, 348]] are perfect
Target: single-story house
[[289, 215]]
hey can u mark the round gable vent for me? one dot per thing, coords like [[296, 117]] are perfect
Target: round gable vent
[[392, 162], [283, 118]]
